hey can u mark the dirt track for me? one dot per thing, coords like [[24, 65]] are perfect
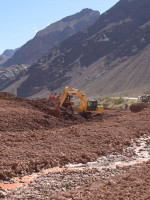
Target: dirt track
[[31, 140]]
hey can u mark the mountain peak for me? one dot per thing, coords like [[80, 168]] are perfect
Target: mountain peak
[[53, 35], [69, 21]]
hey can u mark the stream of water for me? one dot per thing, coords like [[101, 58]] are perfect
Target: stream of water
[[141, 155]]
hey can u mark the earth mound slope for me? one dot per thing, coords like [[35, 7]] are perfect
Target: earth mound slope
[[18, 114]]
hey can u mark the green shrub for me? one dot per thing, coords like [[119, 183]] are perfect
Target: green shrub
[[118, 101], [105, 105]]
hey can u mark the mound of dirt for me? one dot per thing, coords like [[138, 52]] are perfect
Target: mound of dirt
[[15, 116], [137, 107], [8, 96], [42, 105], [19, 114], [48, 107]]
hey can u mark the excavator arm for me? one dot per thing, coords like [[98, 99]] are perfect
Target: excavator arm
[[64, 95], [74, 92]]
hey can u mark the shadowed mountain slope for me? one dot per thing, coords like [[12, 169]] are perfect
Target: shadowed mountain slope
[[130, 77]]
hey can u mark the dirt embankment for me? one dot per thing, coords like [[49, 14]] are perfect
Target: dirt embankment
[[18, 114]]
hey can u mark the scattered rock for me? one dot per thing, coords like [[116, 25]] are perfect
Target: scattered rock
[[3, 194]]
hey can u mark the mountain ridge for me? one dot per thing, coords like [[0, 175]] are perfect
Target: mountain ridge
[[52, 35]]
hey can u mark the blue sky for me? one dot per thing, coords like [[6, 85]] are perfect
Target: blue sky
[[21, 19]]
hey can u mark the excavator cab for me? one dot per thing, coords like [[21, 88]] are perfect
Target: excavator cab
[[91, 105]]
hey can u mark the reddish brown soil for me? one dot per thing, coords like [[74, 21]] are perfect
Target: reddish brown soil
[[18, 114], [31, 139], [133, 185]]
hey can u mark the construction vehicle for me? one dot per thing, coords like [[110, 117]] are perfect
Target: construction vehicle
[[87, 106], [145, 99]]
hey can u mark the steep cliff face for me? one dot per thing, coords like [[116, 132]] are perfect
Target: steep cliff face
[[52, 35], [120, 33]]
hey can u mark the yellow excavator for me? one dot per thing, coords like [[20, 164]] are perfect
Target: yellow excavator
[[87, 106]]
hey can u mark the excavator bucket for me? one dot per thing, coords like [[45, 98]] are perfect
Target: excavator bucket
[[54, 112]]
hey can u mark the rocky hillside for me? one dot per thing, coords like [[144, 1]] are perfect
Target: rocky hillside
[[52, 35], [110, 57], [129, 76], [3, 59], [8, 53], [11, 74]]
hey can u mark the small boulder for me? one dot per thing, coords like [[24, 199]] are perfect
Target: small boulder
[[137, 107]]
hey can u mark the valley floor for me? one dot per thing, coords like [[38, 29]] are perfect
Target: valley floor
[[44, 152]]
